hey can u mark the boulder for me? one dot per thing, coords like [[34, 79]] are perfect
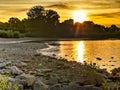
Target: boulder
[[44, 70], [4, 64], [26, 79], [20, 87], [96, 88], [56, 87], [5, 71], [39, 85], [96, 80], [53, 79], [21, 64], [74, 86], [15, 70]]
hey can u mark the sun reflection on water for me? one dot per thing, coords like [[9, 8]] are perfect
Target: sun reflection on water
[[73, 50], [80, 51]]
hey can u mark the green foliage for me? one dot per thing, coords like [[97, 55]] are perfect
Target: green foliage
[[104, 87], [107, 87], [10, 34], [4, 85]]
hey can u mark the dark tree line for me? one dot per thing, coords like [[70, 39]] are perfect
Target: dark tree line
[[45, 23]]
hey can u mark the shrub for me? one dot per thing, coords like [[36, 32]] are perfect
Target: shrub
[[10, 34], [4, 85]]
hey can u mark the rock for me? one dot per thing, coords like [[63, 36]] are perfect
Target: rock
[[53, 79], [26, 79], [96, 88], [20, 87], [74, 86], [39, 85], [15, 71], [53, 55], [12, 80], [21, 64], [88, 87], [26, 61], [56, 87], [98, 58], [37, 54], [5, 71], [4, 64], [44, 70]]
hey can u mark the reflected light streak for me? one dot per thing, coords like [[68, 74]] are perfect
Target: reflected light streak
[[80, 51]]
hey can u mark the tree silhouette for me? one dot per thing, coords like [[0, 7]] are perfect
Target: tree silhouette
[[35, 12], [13, 23], [42, 21], [52, 17]]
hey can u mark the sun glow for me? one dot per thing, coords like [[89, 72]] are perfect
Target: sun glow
[[80, 16]]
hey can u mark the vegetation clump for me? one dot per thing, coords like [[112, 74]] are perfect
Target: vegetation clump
[[10, 34], [5, 85]]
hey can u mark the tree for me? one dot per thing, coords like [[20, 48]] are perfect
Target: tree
[[35, 12], [113, 28], [52, 17], [13, 23]]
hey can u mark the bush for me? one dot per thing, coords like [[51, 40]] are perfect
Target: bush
[[16, 34], [10, 34], [4, 85]]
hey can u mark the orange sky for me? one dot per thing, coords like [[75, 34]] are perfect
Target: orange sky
[[104, 12]]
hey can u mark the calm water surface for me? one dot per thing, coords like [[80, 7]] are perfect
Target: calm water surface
[[89, 51]]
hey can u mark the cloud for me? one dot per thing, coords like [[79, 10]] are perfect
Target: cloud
[[107, 15], [60, 6]]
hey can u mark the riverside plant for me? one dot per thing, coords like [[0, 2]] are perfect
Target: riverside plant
[[5, 85], [105, 87]]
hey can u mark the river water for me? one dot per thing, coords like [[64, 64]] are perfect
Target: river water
[[105, 53]]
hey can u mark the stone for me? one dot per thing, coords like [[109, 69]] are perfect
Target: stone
[[53, 79], [96, 88], [39, 85], [21, 64], [91, 79], [26, 79], [37, 54], [56, 87], [75, 86], [26, 61], [20, 87], [4, 64], [5, 71], [15, 70], [88, 87], [13, 80], [44, 70]]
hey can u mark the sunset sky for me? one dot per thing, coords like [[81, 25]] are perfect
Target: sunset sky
[[104, 12]]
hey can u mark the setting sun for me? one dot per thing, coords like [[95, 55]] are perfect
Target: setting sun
[[80, 16]]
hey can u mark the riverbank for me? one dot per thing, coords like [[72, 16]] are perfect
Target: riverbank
[[34, 71]]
